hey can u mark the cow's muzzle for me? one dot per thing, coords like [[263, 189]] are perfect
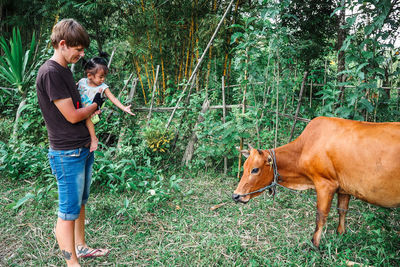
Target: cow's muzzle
[[238, 198]]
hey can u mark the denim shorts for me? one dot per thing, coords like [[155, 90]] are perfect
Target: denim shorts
[[73, 170]]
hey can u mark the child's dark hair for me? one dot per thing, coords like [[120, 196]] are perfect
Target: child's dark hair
[[94, 64]]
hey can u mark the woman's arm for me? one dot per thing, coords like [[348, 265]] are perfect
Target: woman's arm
[[116, 102]]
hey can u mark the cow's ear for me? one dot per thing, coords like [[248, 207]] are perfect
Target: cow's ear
[[269, 160], [244, 152], [250, 146]]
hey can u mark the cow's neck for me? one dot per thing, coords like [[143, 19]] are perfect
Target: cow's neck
[[291, 175]]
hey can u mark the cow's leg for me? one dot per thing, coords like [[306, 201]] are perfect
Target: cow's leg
[[325, 193], [343, 206]]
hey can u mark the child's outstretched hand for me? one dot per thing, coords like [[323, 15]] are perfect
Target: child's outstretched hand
[[127, 109]]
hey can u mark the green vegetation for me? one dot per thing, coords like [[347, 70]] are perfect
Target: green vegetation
[[184, 231], [146, 205]]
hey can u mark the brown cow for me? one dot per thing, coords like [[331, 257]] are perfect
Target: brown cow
[[332, 155]]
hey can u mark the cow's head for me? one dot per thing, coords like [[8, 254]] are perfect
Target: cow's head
[[257, 173]]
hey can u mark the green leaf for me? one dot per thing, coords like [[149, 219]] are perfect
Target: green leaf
[[361, 66], [235, 36], [20, 202], [366, 104], [369, 29]]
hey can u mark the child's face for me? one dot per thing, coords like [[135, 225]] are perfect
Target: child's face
[[98, 78]]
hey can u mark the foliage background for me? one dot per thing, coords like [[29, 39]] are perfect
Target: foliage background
[[345, 52]]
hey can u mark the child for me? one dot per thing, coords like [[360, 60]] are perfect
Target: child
[[96, 70]]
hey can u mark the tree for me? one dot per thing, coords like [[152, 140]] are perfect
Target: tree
[[311, 25]]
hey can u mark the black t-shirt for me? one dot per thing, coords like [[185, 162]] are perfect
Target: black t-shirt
[[55, 82]]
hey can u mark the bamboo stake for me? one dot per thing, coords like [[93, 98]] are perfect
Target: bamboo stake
[[152, 95], [161, 55], [298, 105], [208, 67], [126, 85], [199, 62], [188, 49], [266, 88], [133, 90], [189, 151], [129, 100], [243, 112], [277, 99], [163, 73], [326, 63], [147, 73], [181, 64], [224, 121], [197, 51], [141, 82], [111, 57], [149, 45], [170, 109], [214, 5], [311, 87]]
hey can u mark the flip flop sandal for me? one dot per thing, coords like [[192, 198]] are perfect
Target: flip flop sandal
[[91, 253]]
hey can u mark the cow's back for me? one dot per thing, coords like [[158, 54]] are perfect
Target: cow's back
[[364, 158]]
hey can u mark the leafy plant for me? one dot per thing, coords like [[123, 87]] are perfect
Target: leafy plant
[[16, 67], [157, 136], [23, 161]]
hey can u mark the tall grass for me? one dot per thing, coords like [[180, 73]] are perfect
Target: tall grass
[[185, 232]]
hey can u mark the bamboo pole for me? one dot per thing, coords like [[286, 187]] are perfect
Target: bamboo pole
[[298, 104], [208, 67], [277, 99], [189, 151], [214, 6], [129, 100], [243, 112], [149, 44], [141, 82], [197, 51], [199, 62], [266, 88], [326, 63], [311, 87], [133, 90], [147, 73], [161, 55], [188, 49], [111, 57], [224, 121], [125, 86], [152, 95], [182, 59]]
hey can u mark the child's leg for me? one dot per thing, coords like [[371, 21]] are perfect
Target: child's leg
[[94, 141]]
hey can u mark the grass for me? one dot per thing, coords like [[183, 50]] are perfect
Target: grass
[[184, 231]]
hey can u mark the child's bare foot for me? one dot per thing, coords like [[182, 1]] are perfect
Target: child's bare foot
[[93, 144]]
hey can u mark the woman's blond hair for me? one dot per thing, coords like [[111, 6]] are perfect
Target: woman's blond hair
[[72, 32]]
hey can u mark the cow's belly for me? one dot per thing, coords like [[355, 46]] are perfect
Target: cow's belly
[[380, 191]]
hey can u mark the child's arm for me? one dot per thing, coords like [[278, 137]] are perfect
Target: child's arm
[[116, 102]]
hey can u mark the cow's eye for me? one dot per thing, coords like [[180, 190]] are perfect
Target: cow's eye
[[255, 170]]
